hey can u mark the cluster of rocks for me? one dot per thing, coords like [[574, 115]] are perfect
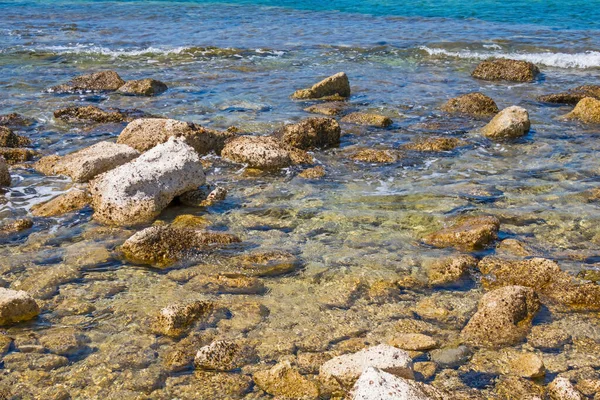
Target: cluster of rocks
[[110, 81]]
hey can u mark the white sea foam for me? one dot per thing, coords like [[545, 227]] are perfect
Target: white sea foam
[[588, 59]]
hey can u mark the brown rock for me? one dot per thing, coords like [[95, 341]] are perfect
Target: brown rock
[[563, 389], [476, 104], [16, 306], [514, 387], [503, 317], [11, 140], [14, 120], [435, 144], [176, 319], [284, 381], [511, 123], [222, 355], [413, 341], [375, 156], [587, 110], [267, 263], [332, 109], [5, 179], [548, 337], [96, 114], [143, 87], [572, 96], [16, 156], [466, 233], [334, 86], [310, 133], [313, 173], [450, 269], [225, 284], [506, 70], [71, 201], [361, 118], [10, 227], [262, 152], [96, 82], [64, 341]]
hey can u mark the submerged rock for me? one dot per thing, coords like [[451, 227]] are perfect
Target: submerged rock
[[203, 198], [14, 120], [266, 264], [96, 82], [310, 133], [145, 133], [313, 173], [448, 270], [9, 139], [503, 317], [587, 110], [466, 233], [475, 104], [163, 245], [138, 191], [64, 341], [435, 144], [86, 164], [347, 368], [572, 96], [375, 384], [506, 70], [262, 152], [286, 382], [143, 87], [16, 156], [10, 227], [451, 357], [176, 319], [71, 201], [16, 306], [413, 341], [375, 156], [548, 337], [511, 123], [334, 86], [332, 109], [361, 118], [226, 284], [96, 114], [4, 173], [223, 355]]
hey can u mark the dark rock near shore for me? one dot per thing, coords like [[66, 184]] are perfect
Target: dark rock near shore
[[335, 86], [16, 156], [587, 111], [96, 114], [431, 144], [466, 233], [5, 179], [15, 120], [310, 133], [572, 96], [506, 70], [375, 156], [9, 139], [97, 82], [143, 87], [331, 108], [475, 104]]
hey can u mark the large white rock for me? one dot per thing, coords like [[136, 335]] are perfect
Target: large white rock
[[138, 191], [16, 306], [348, 367], [510, 123], [375, 384]]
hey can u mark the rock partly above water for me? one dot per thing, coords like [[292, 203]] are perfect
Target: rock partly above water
[[84, 165], [138, 191], [143, 87], [177, 319], [14, 120], [4, 173], [73, 200], [96, 82], [335, 86], [331, 108], [444, 271], [572, 96], [587, 110], [375, 156], [96, 114], [16, 306], [375, 384], [511, 123], [503, 317], [224, 356], [506, 70], [361, 118], [264, 152], [466, 233], [432, 144], [145, 133], [311, 133], [9, 139], [475, 104]]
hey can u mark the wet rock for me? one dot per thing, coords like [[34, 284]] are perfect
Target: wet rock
[[375, 384], [361, 118], [503, 317], [548, 337], [572, 96], [341, 292], [138, 191], [98, 115], [225, 284], [514, 387], [413, 341], [11, 140], [14, 120], [310, 362], [425, 370], [375, 156], [511, 123], [563, 389], [208, 386], [203, 197], [266, 263], [451, 357], [71, 201], [16, 306], [43, 283], [224, 356], [86, 164], [506, 70], [466, 233], [104, 81], [310, 133], [334, 86], [448, 270], [514, 247], [286, 382], [313, 173], [4, 173], [476, 104], [546, 277], [347, 368], [189, 221], [435, 144], [64, 341], [332, 109], [145, 133], [163, 245], [11, 227], [262, 152], [508, 362], [587, 110], [33, 361], [5, 343], [16, 156], [176, 319], [143, 87]]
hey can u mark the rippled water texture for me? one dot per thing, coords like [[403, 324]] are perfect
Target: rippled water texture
[[236, 64]]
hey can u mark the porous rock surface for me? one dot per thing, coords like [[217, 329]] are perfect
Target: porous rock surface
[[506, 70], [16, 306], [143, 87], [334, 86], [511, 123], [96, 82], [475, 104], [375, 384], [311, 132]]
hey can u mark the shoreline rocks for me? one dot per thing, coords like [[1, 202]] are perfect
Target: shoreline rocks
[[475, 104], [9, 139], [263, 152], [85, 114], [286, 382], [71, 201], [506, 70], [16, 306], [511, 123], [468, 233], [375, 384], [572, 96], [587, 110], [222, 355], [361, 118], [375, 156], [435, 144], [103, 81], [310, 133], [143, 87], [138, 191], [5, 178], [335, 86], [176, 319]]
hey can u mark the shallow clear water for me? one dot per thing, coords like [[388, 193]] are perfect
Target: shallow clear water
[[236, 63]]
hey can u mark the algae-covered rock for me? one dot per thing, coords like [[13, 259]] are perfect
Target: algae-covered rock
[[44, 282], [506, 70], [431, 144], [33, 361], [11, 140], [475, 104], [97, 114], [587, 110], [17, 155], [145, 133], [11, 227], [5, 179], [14, 120], [222, 355], [511, 123], [176, 319], [310, 133], [449, 269], [286, 382], [508, 361], [71, 201], [143, 87], [361, 118], [466, 233], [86, 164], [161, 246], [96, 82], [138, 191], [313, 173], [336, 85], [347, 368], [262, 152], [16, 306], [375, 156], [511, 387], [572, 96], [503, 317], [375, 384], [331, 109]]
